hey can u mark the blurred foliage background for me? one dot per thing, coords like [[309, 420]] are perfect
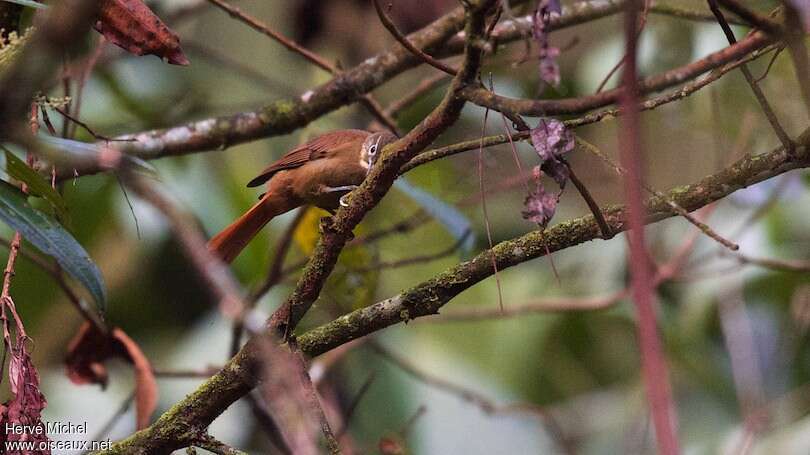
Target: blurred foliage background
[[582, 367]]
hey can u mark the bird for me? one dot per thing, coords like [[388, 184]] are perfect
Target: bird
[[320, 172]]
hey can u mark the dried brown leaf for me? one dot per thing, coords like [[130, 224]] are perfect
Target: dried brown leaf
[[131, 25], [85, 365], [146, 392]]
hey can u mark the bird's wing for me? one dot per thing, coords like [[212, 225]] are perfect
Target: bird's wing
[[315, 149]]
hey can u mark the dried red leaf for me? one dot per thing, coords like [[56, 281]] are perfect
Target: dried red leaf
[[87, 353], [131, 25], [24, 410]]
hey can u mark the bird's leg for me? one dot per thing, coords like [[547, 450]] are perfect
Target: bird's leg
[[339, 189]]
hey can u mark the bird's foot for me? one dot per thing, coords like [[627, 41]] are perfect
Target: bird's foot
[[344, 202]]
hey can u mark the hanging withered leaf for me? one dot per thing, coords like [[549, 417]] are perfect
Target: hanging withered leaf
[[131, 25], [551, 140], [87, 353], [540, 205], [547, 54], [24, 409]]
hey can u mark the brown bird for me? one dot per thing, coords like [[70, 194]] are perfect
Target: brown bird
[[320, 173]]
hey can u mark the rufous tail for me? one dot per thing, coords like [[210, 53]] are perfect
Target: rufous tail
[[234, 238]]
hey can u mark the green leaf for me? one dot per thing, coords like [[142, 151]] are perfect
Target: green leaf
[[30, 3], [37, 185], [47, 234]]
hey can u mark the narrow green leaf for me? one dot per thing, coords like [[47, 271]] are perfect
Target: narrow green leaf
[[30, 3], [47, 234], [37, 185]]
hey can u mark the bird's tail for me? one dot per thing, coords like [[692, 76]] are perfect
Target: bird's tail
[[234, 238]]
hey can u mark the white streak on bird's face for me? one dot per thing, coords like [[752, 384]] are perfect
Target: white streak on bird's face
[[372, 147], [369, 152]]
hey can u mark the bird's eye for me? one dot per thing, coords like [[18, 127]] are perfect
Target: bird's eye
[[372, 150]]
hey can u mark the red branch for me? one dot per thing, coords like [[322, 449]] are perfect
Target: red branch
[[653, 364]]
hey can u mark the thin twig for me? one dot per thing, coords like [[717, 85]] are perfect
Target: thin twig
[[484, 205], [262, 28], [770, 65], [607, 233], [402, 39], [758, 94], [87, 128], [677, 209], [781, 265]]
